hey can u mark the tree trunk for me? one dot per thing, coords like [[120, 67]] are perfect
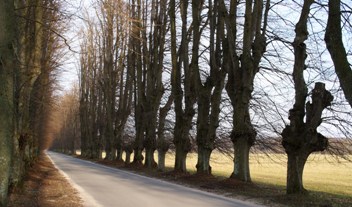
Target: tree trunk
[[295, 166], [203, 164], [180, 159], [241, 160], [110, 152], [150, 140], [119, 154], [96, 148], [149, 158], [161, 160], [7, 67], [128, 150], [182, 142], [162, 144], [204, 141], [138, 156], [128, 157]]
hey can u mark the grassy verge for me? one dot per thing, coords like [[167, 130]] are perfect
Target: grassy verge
[[328, 181], [322, 172]]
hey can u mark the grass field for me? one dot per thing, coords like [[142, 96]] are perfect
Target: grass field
[[322, 172]]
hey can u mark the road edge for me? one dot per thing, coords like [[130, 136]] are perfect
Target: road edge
[[87, 199]]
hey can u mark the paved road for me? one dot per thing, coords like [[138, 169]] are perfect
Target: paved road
[[104, 186]]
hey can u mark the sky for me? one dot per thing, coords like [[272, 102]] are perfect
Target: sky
[[69, 72], [265, 82]]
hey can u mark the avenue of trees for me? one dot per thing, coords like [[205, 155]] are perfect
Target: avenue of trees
[[29, 56], [163, 74]]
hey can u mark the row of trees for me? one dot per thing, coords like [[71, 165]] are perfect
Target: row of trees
[[202, 59], [29, 47]]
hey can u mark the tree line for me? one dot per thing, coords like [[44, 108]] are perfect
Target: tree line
[[159, 74], [30, 46]]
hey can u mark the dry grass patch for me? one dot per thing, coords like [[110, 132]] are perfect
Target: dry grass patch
[[328, 181], [322, 172]]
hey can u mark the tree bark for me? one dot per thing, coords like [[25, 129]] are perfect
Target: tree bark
[[203, 164], [241, 161], [181, 158], [128, 157], [162, 144], [7, 68], [161, 160], [295, 166]]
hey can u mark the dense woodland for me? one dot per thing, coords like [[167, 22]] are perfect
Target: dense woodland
[[180, 75]]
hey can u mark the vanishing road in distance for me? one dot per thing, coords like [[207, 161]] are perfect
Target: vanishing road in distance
[[104, 186]]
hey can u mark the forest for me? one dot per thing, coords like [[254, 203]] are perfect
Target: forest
[[232, 76]]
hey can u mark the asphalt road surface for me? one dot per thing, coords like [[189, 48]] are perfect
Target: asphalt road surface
[[104, 186]]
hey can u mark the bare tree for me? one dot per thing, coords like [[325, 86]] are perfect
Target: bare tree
[[187, 93], [67, 121], [241, 73], [301, 138], [88, 98], [210, 92], [153, 34]]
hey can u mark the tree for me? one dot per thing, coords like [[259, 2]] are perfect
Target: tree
[[210, 90], [28, 61], [333, 39], [241, 73], [301, 138], [109, 74], [154, 64], [67, 123], [105, 84], [187, 93], [135, 62], [90, 145], [7, 69]]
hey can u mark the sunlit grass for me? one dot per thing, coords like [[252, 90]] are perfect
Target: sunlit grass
[[322, 172]]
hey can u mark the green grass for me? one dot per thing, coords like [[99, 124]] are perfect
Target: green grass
[[322, 172]]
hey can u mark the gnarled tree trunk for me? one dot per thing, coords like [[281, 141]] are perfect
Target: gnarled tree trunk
[[300, 141], [301, 138]]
